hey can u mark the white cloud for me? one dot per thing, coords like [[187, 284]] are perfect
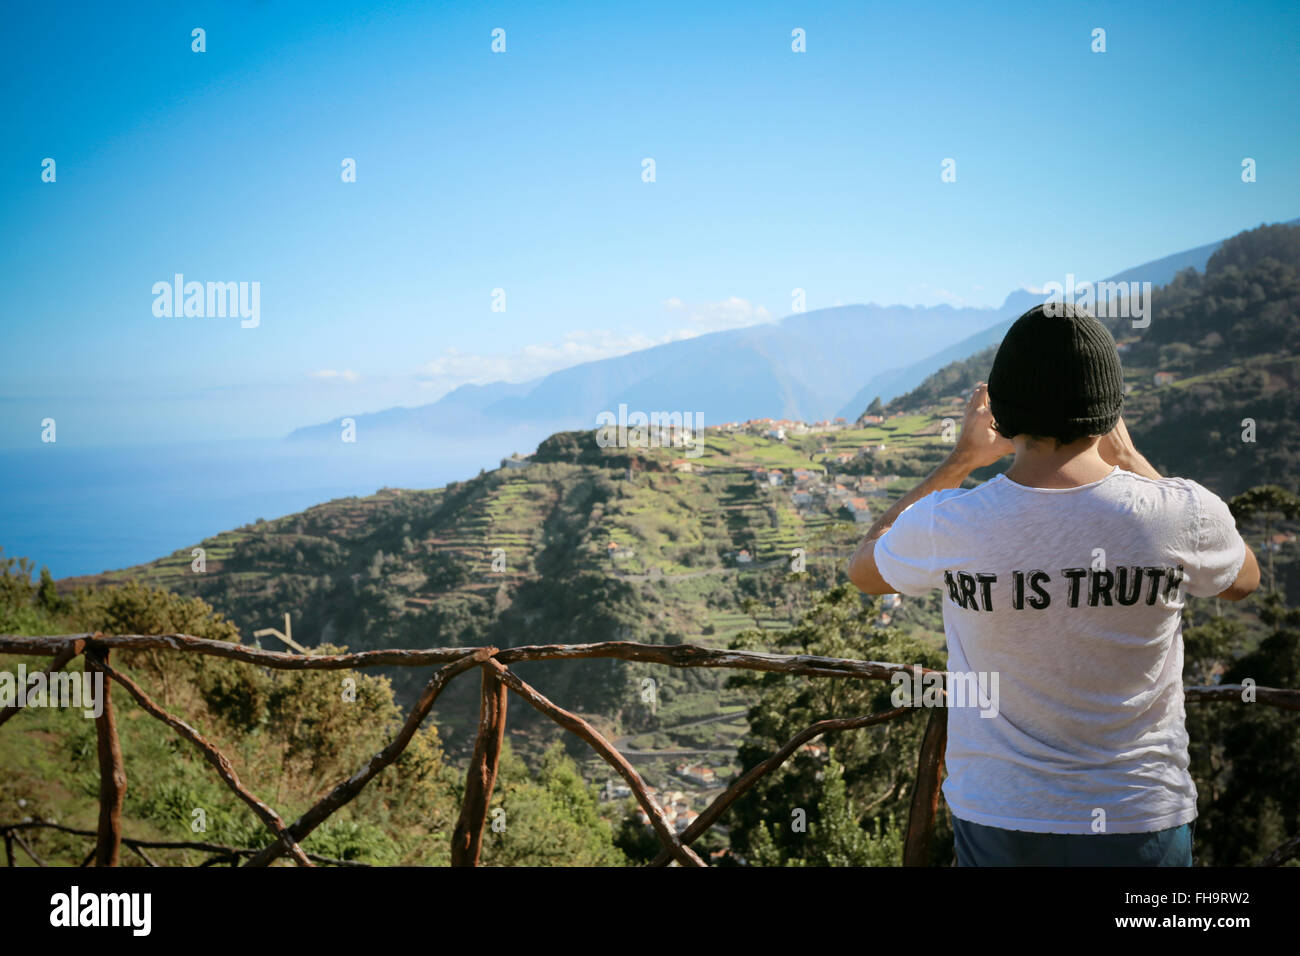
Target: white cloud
[[731, 313], [454, 367], [336, 375]]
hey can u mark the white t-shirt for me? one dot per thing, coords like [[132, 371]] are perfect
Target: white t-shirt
[[1069, 602]]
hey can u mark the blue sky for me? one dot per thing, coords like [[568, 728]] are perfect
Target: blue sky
[[522, 171]]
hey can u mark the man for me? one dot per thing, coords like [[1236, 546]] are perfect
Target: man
[[1063, 582]]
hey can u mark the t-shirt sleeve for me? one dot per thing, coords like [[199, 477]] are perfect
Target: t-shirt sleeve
[[905, 553], [1220, 550]]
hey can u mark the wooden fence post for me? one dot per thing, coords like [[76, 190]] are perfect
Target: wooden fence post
[[467, 839], [925, 792], [112, 774]]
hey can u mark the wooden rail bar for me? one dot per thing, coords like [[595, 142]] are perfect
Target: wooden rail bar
[[1280, 697], [693, 655], [71, 648], [51, 646], [673, 655], [48, 645], [224, 853]]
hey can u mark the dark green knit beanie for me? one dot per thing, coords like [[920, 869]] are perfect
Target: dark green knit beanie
[[1056, 374]]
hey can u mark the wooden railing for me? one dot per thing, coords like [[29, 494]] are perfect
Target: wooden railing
[[496, 679]]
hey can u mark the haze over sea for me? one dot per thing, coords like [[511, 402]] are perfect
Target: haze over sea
[[83, 510]]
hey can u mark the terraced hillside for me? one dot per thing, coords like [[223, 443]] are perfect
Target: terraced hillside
[[578, 544]]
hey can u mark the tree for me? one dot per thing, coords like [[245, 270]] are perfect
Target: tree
[[550, 820], [47, 595], [1206, 646], [1266, 504], [837, 839], [15, 581], [877, 762], [17, 613], [1250, 798], [755, 609]]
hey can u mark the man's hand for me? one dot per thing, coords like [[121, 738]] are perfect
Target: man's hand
[[1117, 448], [980, 444]]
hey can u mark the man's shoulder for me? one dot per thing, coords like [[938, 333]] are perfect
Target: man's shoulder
[[1165, 481], [950, 499], [1000, 492], [985, 489], [1170, 485]]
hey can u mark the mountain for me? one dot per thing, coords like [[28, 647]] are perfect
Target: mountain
[[808, 366], [803, 367], [1227, 345], [896, 381], [889, 384]]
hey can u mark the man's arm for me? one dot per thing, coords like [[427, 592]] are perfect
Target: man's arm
[[1247, 580], [1117, 448], [978, 445]]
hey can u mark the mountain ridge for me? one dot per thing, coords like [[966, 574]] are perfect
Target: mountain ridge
[[890, 384], [806, 366]]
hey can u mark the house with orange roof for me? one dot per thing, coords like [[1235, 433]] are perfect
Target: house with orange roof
[[860, 509]]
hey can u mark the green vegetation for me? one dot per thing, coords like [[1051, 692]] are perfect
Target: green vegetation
[[589, 544], [854, 798], [291, 735]]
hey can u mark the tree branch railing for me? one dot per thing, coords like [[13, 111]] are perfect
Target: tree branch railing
[[219, 853], [498, 681]]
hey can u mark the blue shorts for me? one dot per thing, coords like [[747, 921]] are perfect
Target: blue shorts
[[978, 845]]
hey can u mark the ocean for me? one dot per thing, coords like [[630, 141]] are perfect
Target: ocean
[[88, 510]]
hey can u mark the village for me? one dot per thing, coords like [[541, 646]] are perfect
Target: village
[[822, 489], [810, 489]]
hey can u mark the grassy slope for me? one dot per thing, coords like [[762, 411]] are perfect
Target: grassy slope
[[682, 530]]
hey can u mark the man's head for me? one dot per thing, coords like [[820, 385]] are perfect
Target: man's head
[[1056, 376]]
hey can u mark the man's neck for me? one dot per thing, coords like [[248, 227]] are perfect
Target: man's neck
[[1065, 467]]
